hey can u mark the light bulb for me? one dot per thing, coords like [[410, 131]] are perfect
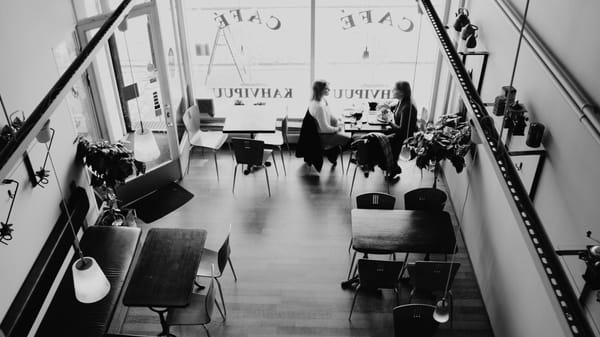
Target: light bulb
[[365, 54], [441, 314]]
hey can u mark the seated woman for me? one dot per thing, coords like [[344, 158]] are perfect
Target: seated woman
[[330, 129], [404, 119]]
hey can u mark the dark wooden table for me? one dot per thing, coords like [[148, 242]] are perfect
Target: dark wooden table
[[164, 274], [401, 231]]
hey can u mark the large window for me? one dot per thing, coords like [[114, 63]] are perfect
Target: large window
[[250, 51], [364, 47], [260, 51]]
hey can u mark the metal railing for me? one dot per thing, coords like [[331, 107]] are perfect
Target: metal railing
[[13, 152], [541, 246]]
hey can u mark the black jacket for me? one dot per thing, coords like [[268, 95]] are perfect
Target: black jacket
[[309, 143]]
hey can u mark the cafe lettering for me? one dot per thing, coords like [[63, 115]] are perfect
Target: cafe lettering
[[285, 93], [368, 16], [236, 15]]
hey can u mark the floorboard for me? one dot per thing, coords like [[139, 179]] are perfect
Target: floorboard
[[290, 253]]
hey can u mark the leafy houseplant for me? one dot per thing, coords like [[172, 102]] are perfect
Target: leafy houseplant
[[449, 138], [109, 166]]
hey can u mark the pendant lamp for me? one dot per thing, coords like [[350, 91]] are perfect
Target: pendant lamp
[[365, 54], [90, 283], [441, 314], [144, 145], [145, 148]]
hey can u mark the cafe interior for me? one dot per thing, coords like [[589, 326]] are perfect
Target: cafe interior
[[161, 173]]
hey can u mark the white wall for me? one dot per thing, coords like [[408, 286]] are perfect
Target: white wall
[[29, 29], [568, 192]]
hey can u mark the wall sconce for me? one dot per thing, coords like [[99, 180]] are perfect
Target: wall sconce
[[6, 227], [40, 177]]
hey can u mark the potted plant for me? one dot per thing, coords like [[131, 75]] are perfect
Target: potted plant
[[109, 165], [449, 138]]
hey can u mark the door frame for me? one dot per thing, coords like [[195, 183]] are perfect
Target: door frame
[[170, 170]]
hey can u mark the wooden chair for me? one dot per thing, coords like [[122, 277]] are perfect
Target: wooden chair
[[374, 274], [200, 309], [220, 258], [250, 152], [430, 277], [277, 140], [414, 320], [212, 140]]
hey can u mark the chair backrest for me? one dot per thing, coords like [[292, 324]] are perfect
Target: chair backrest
[[209, 300], [284, 128], [375, 201], [191, 119], [224, 252], [362, 153], [374, 274], [425, 199], [248, 151], [433, 275], [414, 320]]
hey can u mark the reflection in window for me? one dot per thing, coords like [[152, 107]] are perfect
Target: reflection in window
[[250, 52]]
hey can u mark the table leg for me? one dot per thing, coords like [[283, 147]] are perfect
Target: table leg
[[163, 322]]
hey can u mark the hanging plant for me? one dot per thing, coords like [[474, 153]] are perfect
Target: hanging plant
[[449, 138]]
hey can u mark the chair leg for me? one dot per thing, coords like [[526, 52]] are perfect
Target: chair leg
[[282, 161], [268, 186], [353, 302], [216, 163], [187, 170], [221, 294], [220, 311], [351, 265], [349, 161], [231, 151], [342, 159], [353, 178], [232, 270], [234, 174], [403, 266], [451, 298], [397, 296], [205, 329], [275, 163], [350, 246]]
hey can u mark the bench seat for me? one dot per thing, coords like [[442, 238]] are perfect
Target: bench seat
[[114, 249]]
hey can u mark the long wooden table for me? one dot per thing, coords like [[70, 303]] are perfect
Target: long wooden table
[[165, 271], [401, 231]]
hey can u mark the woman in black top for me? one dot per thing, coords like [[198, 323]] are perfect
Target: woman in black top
[[404, 122]]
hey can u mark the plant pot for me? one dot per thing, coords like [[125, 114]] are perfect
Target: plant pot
[[425, 199]]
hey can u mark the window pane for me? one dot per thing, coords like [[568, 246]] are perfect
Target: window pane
[[251, 51], [363, 48]]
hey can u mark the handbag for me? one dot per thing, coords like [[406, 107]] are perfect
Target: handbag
[[462, 19], [468, 30], [472, 41]]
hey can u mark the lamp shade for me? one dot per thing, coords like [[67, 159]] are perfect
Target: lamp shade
[[144, 147], [441, 314], [90, 283], [44, 135], [365, 54]]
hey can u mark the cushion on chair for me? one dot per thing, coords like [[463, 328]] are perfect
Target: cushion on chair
[[271, 139], [208, 139]]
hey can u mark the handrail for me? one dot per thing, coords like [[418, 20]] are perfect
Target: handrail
[[557, 282], [14, 150], [584, 106]]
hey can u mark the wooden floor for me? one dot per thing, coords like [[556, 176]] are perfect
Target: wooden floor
[[290, 253]]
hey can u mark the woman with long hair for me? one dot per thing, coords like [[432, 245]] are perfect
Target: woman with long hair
[[330, 128]]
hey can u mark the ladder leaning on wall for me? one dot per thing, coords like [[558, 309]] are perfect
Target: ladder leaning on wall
[[239, 66]]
